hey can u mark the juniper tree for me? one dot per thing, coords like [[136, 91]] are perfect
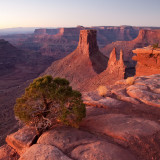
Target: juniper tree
[[49, 101]]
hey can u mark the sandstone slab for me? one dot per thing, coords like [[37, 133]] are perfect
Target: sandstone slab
[[91, 96], [66, 138], [121, 94], [101, 151], [141, 93], [22, 139], [43, 152], [120, 126], [94, 111], [105, 102]]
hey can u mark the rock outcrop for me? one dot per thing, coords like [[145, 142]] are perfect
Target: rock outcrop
[[145, 38], [148, 61], [43, 152], [83, 63], [22, 139], [115, 66], [145, 89], [114, 71]]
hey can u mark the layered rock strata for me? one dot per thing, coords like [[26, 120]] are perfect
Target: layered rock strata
[[83, 63], [148, 61], [114, 71]]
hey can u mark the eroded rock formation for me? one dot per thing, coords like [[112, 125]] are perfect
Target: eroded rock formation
[[145, 38], [114, 71], [148, 61], [116, 67], [59, 42], [83, 63]]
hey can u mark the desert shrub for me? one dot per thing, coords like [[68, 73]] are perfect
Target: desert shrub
[[130, 80], [156, 45], [102, 90], [49, 101]]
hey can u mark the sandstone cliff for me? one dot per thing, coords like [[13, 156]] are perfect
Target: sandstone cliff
[[115, 71], [83, 63], [148, 61], [145, 38], [60, 42]]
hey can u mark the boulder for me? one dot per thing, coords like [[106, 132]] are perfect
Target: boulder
[[66, 138], [141, 93], [105, 102], [121, 94], [120, 126], [101, 150], [43, 152], [22, 139]]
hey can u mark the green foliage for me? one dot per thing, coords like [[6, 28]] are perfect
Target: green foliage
[[48, 101], [154, 46]]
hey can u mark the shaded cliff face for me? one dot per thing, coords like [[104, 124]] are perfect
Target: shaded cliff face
[[83, 63], [9, 56], [114, 71], [108, 35], [145, 38], [148, 61], [12, 59], [46, 31], [88, 42]]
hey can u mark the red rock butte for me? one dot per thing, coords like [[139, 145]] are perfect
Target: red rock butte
[[88, 42], [85, 62], [114, 71]]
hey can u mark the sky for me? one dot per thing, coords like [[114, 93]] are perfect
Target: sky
[[70, 13]]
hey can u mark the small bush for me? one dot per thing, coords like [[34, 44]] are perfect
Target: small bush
[[156, 45], [102, 90], [130, 80], [48, 101]]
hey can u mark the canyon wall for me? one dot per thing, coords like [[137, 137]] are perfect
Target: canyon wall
[[83, 63], [145, 38]]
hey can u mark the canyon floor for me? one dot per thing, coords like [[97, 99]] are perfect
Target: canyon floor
[[123, 125]]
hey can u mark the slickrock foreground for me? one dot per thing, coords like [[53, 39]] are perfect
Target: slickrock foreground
[[123, 125]]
